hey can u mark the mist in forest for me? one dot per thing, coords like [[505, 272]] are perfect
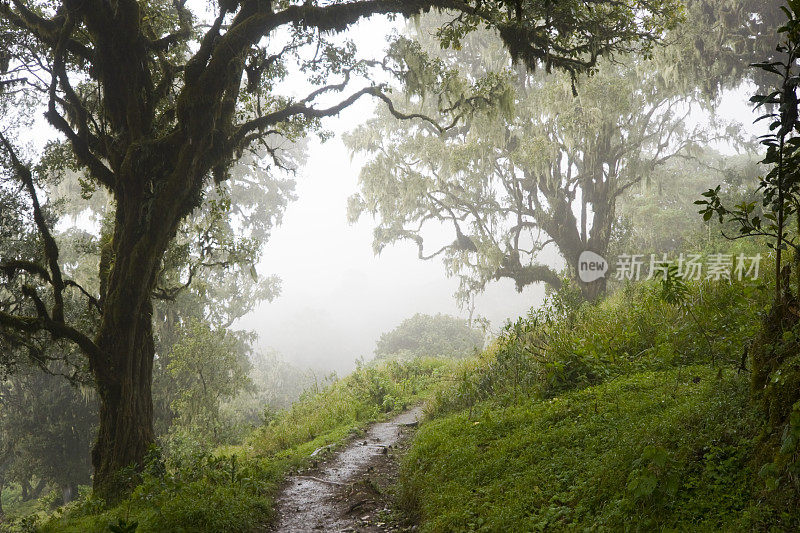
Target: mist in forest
[[337, 296], [333, 283], [473, 265]]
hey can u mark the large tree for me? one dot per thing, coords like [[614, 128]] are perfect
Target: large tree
[[155, 103], [539, 167], [47, 422], [534, 166]]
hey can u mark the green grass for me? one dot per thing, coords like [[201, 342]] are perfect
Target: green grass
[[628, 415], [232, 488], [650, 451], [555, 350]]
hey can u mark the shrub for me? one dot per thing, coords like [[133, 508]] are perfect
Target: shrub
[[557, 348]]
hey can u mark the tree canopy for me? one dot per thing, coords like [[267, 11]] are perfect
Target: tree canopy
[[531, 166]]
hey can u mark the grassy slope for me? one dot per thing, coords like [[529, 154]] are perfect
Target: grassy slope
[[650, 450], [232, 489], [623, 422]]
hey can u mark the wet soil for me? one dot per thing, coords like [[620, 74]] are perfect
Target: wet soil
[[349, 490]]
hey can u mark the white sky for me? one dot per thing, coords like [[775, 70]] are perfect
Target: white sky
[[338, 297]]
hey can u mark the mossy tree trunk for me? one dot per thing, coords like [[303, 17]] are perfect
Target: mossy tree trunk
[[123, 369]]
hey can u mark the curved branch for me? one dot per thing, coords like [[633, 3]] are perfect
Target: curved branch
[[57, 330], [50, 246], [13, 266], [45, 30], [243, 132], [528, 275]]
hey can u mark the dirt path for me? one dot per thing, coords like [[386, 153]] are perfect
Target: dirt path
[[348, 491]]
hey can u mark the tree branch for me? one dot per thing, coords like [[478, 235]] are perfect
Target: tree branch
[[528, 275], [50, 246], [57, 330]]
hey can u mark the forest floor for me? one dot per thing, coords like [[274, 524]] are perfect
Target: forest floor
[[350, 490]]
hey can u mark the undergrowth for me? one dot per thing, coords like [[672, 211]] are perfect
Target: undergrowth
[[634, 414], [558, 348], [665, 450], [195, 488]]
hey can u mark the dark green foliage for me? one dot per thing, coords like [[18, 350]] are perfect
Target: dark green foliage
[[201, 493], [630, 415], [430, 336], [46, 429], [652, 451], [123, 526], [776, 367]]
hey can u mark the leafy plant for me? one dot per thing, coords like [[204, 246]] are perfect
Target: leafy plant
[[123, 526], [780, 187]]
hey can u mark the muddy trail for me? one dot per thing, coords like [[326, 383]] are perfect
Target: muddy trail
[[349, 490]]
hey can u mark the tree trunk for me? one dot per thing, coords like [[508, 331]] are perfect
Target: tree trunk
[[37, 490], [126, 410], [128, 269], [594, 290], [591, 291], [69, 492]]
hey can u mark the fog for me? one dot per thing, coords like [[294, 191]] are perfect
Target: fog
[[337, 296]]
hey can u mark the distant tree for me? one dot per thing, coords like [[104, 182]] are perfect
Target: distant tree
[[48, 410], [537, 168], [49, 426], [6, 460], [432, 336], [534, 167], [276, 385], [661, 216], [155, 101], [206, 367]]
